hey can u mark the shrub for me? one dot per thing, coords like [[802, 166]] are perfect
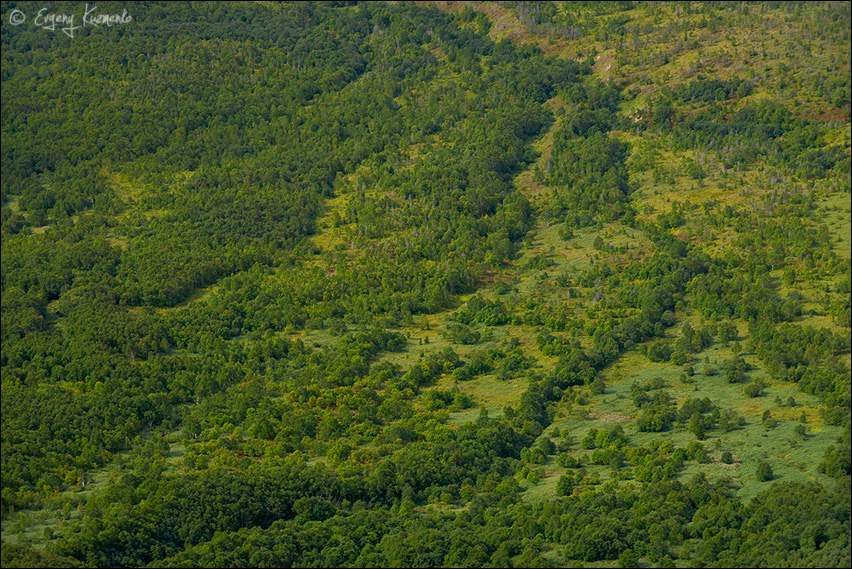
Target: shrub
[[764, 472], [753, 389]]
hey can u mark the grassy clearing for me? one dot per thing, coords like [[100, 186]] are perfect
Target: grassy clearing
[[573, 256], [38, 527], [198, 295], [128, 190], [506, 25], [12, 204], [792, 457], [839, 221], [652, 197], [327, 237], [493, 394], [536, 192]]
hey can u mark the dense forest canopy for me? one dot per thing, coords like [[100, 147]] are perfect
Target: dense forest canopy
[[438, 284]]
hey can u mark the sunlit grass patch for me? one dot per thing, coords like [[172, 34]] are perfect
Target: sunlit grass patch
[[839, 222], [791, 458], [129, 190], [493, 393]]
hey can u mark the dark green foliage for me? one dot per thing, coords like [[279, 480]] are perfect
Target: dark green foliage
[[730, 420], [461, 334], [763, 472], [220, 188], [656, 418], [735, 369], [838, 462], [709, 90], [222, 221], [568, 461], [660, 351], [753, 389], [696, 427], [25, 556], [587, 166], [484, 311], [628, 558]]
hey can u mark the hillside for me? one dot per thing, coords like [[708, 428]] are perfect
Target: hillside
[[427, 284]]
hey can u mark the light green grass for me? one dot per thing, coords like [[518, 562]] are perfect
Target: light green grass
[[839, 222], [796, 461], [492, 393]]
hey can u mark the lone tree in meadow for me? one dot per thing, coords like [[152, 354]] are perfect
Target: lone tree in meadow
[[764, 472]]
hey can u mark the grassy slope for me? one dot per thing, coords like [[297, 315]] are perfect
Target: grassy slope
[[750, 444], [729, 53]]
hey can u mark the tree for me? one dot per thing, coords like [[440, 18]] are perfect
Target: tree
[[696, 427], [763, 473], [628, 558], [565, 486], [753, 389]]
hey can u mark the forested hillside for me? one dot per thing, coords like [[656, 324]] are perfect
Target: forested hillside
[[426, 284]]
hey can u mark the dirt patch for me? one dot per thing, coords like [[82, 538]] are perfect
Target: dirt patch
[[604, 64]]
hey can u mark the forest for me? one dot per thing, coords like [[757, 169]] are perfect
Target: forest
[[468, 284]]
